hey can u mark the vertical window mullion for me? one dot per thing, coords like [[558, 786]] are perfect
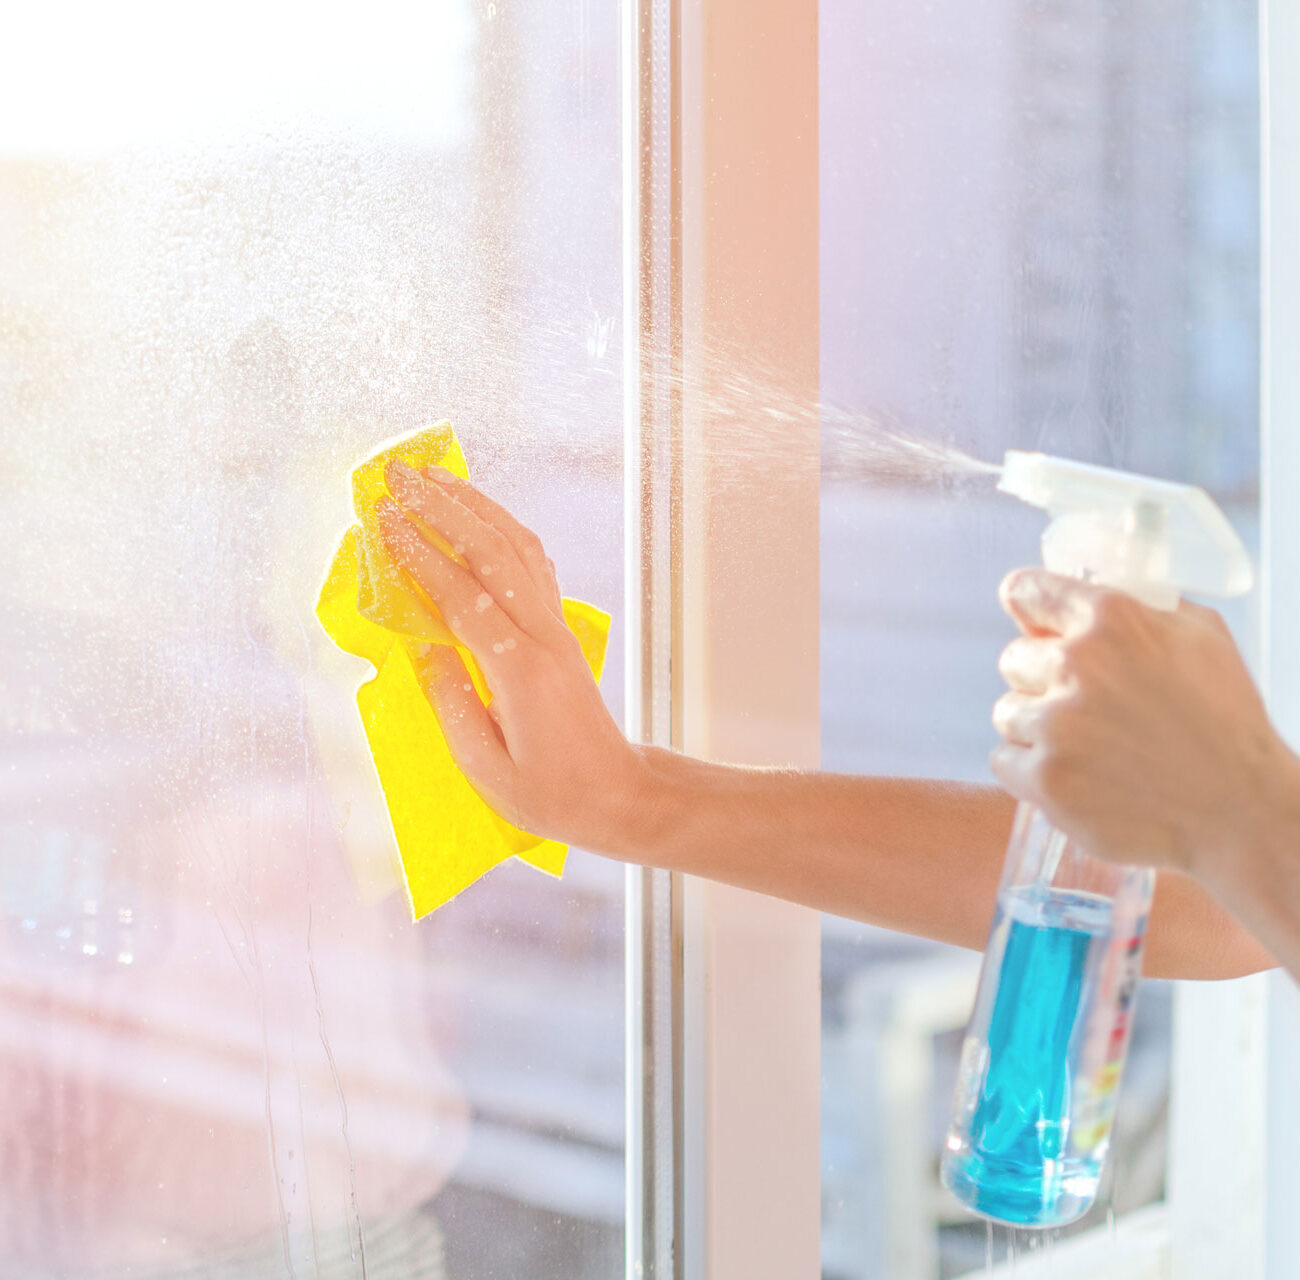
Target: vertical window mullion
[[723, 1004], [749, 642], [652, 384]]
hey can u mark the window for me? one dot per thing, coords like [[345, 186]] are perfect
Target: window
[[240, 248], [237, 253], [1039, 230]]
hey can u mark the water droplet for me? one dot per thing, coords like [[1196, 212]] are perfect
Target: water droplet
[[498, 647], [510, 595], [487, 569], [484, 602]]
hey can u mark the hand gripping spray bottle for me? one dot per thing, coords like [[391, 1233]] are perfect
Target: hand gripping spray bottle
[[1045, 1046]]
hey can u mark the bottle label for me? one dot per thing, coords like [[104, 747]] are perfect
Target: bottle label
[[1107, 1044]]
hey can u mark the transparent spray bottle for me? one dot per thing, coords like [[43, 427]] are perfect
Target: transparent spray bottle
[[1045, 1046]]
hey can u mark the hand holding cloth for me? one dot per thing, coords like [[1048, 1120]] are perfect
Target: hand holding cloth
[[446, 834]]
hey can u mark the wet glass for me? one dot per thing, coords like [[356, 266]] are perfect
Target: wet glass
[[241, 247], [1039, 231]]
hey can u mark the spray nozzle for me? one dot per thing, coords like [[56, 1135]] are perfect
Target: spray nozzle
[[1152, 538]]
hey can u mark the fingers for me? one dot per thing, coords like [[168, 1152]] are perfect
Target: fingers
[[1013, 766], [1033, 664], [527, 545], [1047, 607], [1018, 718], [488, 554], [1044, 603], [466, 723], [471, 613]]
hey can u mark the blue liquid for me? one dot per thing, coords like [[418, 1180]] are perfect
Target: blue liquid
[[1016, 1164]]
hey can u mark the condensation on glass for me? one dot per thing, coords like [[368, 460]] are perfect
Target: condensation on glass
[[240, 247], [1039, 231]]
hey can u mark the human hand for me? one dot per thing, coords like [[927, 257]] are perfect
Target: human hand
[[545, 754], [1139, 733]]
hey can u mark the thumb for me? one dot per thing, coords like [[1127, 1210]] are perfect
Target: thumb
[[1043, 603]]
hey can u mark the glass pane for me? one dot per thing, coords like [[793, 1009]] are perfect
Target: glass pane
[[241, 247], [1039, 231]]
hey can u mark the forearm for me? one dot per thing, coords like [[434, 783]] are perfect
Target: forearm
[[918, 856], [1260, 881]]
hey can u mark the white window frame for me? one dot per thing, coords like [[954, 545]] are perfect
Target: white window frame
[[1280, 46], [723, 1072], [723, 626]]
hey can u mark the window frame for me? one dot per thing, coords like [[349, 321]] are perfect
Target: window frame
[[1280, 401], [732, 1108]]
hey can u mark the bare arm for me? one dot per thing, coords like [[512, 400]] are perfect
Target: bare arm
[[917, 856], [921, 857], [1260, 879]]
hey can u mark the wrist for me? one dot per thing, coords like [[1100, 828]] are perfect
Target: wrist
[[1266, 830], [637, 817]]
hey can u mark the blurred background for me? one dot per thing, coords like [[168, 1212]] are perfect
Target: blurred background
[[238, 251], [1039, 231]]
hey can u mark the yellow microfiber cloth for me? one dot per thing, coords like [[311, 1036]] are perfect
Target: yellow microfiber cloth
[[447, 836]]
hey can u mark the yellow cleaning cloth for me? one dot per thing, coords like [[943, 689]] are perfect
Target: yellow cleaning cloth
[[446, 835]]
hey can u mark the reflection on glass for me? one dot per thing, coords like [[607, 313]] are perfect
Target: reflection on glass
[[239, 250], [1038, 232]]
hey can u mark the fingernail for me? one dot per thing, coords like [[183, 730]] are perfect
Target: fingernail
[[439, 474], [399, 468]]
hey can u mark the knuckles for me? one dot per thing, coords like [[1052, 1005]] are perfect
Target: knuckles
[[1053, 775], [530, 546], [1061, 722], [1114, 615], [1114, 626], [493, 546]]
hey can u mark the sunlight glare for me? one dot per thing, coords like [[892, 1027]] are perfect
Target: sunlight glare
[[82, 79]]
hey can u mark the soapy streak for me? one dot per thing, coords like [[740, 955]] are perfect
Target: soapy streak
[[360, 1250]]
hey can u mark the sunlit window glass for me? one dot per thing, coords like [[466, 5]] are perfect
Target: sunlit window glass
[[239, 248]]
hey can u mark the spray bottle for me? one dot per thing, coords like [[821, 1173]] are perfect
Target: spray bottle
[[1045, 1047]]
